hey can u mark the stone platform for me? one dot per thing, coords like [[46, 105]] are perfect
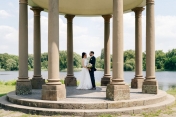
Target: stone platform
[[87, 103]]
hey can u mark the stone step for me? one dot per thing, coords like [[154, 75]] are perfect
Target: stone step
[[88, 112], [77, 103]]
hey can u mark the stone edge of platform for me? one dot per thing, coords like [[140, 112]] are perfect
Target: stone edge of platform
[[88, 105], [170, 100]]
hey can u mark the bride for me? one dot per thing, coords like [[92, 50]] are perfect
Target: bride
[[85, 80]]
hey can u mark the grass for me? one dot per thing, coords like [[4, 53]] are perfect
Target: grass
[[6, 87], [167, 111], [172, 91]]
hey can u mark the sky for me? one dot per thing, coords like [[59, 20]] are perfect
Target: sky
[[88, 32]]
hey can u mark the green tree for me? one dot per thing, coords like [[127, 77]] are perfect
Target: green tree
[[102, 54], [63, 60], [76, 60], [160, 58], [129, 54], [144, 60], [30, 62], [11, 65], [170, 63], [44, 60], [129, 65], [99, 63]]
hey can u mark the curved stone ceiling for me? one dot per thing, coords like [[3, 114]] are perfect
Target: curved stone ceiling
[[87, 7]]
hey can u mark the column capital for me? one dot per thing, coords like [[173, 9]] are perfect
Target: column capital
[[107, 18], [69, 17], [138, 11], [23, 1], [150, 1], [36, 10]]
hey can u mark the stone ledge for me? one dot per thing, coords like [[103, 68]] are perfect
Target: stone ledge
[[170, 100], [66, 104]]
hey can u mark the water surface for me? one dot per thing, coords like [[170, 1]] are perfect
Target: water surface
[[165, 79]]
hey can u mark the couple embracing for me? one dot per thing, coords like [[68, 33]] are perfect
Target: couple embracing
[[87, 79]]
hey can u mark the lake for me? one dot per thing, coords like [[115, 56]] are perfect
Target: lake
[[166, 79]]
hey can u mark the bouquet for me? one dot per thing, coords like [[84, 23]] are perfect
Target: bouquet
[[89, 65]]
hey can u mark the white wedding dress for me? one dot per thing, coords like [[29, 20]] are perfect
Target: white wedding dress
[[85, 80]]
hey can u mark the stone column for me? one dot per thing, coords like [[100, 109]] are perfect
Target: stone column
[[117, 89], [23, 85], [138, 79], [150, 84], [70, 80], [53, 90], [107, 76], [37, 80]]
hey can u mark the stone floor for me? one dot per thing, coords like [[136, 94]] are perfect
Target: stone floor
[[166, 113], [74, 95]]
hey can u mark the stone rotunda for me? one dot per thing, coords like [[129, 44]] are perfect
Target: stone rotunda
[[114, 96]]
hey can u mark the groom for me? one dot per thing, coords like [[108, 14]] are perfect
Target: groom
[[92, 69]]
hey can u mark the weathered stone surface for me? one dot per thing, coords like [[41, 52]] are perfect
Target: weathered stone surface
[[105, 81], [137, 83], [97, 111], [117, 92], [150, 89], [136, 103], [23, 88], [37, 83], [70, 81], [113, 105], [113, 112], [53, 92]]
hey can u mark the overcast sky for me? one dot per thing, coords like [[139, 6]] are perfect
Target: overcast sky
[[88, 31]]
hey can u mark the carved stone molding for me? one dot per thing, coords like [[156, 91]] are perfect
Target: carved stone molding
[[36, 10], [107, 18]]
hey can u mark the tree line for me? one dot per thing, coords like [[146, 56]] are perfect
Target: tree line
[[164, 61]]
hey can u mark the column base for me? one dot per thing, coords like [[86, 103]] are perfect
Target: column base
[[150, 87], [37, 82], [117, 92], [53, 92], [137, 83], [106, 80], [23, 87], [70, 80]]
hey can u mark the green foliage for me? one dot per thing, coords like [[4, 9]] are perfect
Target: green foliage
[[163, 61], [144, 60], [63, 60], [30, 62], [102, 54], [10, 62], [11, 83], [76, 60], [170, 63], [129, 60], [160, 58], [99, 63], [11, 65]]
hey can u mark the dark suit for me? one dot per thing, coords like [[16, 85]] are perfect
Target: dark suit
[[92, 61]]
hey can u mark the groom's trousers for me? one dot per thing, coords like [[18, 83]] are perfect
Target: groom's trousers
[[92, 78]]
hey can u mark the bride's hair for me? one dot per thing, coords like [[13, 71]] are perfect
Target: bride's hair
[[83, 54]]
